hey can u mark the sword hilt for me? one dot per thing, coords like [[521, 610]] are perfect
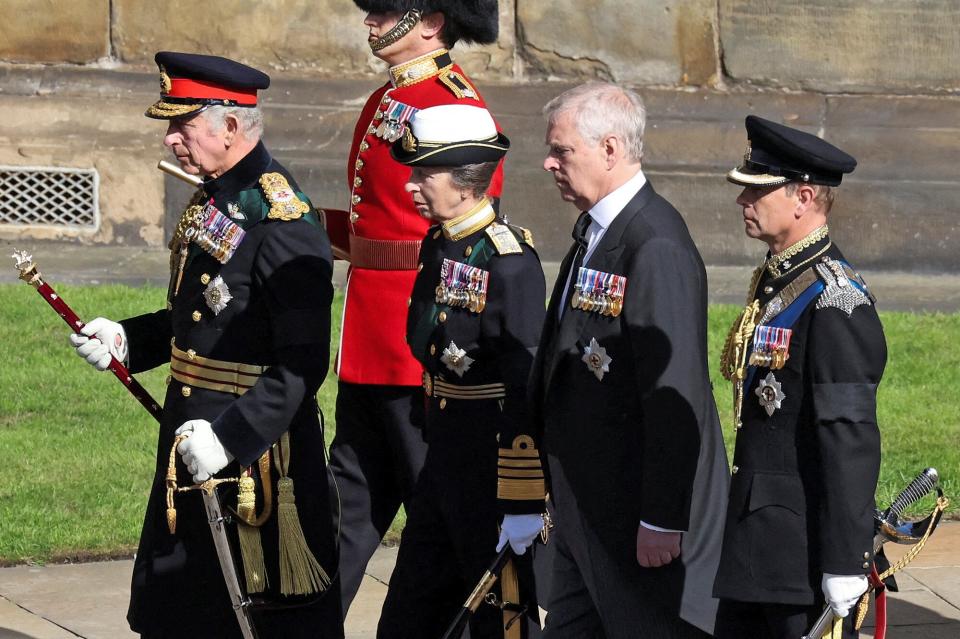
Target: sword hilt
[[916, 490]]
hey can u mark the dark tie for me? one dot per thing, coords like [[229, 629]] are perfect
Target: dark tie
[[580, 237]]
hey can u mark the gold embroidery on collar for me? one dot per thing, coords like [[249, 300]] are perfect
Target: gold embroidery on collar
[[417, 69], [470, 222], [781, 258]]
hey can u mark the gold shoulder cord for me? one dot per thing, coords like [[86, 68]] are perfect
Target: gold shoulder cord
[[733, 362]]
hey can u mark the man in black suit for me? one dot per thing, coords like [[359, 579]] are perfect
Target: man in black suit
[[805, 357], [620, 389]]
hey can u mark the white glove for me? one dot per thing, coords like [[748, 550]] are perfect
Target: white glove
[[98, 341], [202, 452], [843, 591], [519, 531]]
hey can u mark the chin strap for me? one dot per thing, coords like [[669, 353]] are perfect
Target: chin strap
[[403, 27]]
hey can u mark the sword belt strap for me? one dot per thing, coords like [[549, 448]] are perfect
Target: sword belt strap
[[384, 255], [213, 374], [438, 387]]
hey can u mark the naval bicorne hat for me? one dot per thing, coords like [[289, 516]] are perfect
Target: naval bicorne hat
[[778, 154], [191, 82]]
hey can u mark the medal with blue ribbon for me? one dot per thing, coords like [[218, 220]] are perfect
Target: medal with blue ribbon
[[395, 119], [770, 347], [462, 285], [598, 292], [216, 234]]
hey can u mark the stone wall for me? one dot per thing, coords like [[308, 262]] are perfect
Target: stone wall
[[877, 77]]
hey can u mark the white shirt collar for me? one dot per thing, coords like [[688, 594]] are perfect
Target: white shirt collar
[[605, 211]]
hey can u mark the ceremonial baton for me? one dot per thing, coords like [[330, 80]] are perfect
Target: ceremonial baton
[[479, 592], [30, 275], [888, 527], [177, 172]]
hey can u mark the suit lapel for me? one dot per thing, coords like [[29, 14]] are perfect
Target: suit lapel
[[604, 258]]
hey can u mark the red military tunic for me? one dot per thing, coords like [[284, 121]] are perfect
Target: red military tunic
[[382, 230]]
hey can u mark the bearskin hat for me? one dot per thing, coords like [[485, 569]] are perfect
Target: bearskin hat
[[466, 20]]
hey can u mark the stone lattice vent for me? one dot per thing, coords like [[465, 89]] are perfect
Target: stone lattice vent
[[49, 196]]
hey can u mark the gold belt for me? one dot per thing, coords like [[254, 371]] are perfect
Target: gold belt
[[213, 374], [384, 255], [438, 387]]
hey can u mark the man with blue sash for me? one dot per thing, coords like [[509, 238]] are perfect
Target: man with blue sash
[[805, 358]]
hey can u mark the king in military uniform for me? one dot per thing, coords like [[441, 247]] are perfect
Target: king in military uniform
[[246, 333], [474, 322], [805, 358], [378, 453]]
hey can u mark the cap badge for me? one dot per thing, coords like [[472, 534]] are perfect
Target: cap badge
[[166, 85], [746, 154], [217, 295], [409, 141], [770, 393], [456, 359], [596, 358]]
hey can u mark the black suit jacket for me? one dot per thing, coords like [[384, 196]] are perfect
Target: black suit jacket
[[643, 443]]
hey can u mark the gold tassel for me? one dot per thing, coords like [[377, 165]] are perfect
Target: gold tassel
[[251, 550], [300, 572]]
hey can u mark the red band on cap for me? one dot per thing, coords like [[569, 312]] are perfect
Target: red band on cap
[[184, 88]]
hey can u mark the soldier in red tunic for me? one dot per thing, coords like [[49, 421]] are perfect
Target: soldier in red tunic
[[378, 450]]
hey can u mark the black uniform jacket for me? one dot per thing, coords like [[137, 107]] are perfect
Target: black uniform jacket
[[499, 343], [643, 442], [279, 317], [802, 496]]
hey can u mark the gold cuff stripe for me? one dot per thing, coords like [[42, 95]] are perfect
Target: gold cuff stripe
[[520, 473], [519, 463], [520, 489], [528, 453]]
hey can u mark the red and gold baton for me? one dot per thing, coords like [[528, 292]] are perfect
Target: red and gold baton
[[30, 275]]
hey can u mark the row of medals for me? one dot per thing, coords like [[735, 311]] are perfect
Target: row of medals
[[471, 300], [600, 302]]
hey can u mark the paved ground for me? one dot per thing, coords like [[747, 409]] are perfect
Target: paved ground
[[90, 600], [75, 264]]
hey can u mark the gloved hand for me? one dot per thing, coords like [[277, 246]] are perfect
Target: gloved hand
[[519, 531], [98, 341], [202, 452], [843, 591]]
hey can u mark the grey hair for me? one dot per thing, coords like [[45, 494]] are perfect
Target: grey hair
[[600, 109], [474, 177], [824, 198], [250, 119]]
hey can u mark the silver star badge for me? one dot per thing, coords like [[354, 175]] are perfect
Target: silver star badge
[[217, 295], [456, 359], [770, 393], [596, 358], [233, 209]]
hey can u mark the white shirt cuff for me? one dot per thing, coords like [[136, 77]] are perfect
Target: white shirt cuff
[[658, 528]]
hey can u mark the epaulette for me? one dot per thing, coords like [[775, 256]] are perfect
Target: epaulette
[[525, 233], [503, 239], [284, 203], [839, 291], [458, 85]]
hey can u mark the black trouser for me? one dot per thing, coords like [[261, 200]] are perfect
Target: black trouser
[[737, 619], [451, 537], [592, 594], [375, 459]]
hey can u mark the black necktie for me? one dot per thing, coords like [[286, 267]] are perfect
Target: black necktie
[[580, 237]]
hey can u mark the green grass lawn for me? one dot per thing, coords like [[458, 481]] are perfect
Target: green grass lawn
[[77, 451]]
